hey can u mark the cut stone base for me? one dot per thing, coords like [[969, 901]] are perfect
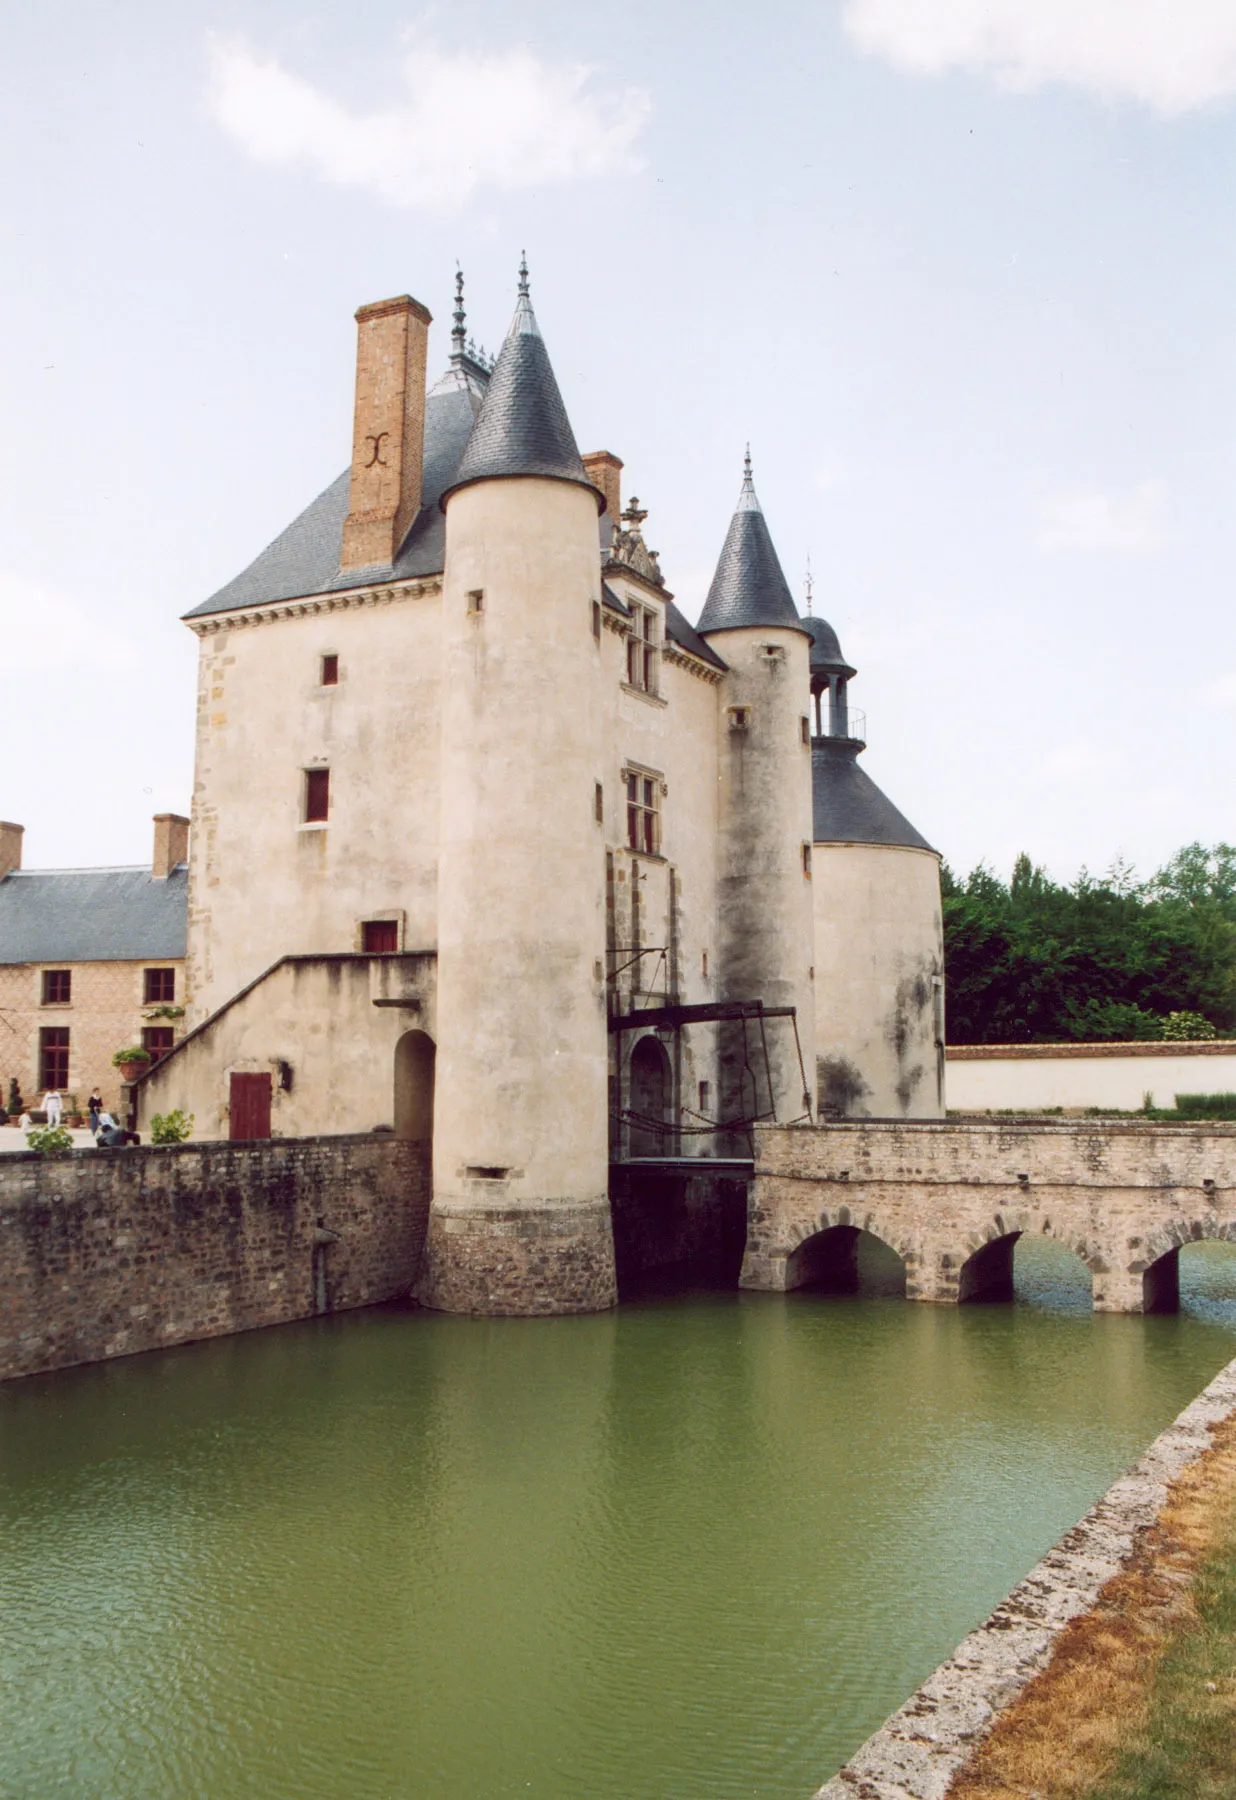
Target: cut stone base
[[526, 1261]]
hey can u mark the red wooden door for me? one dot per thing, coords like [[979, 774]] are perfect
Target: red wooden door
[[250, 1106]]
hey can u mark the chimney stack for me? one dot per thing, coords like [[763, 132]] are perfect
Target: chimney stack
[[604, 471], [171, 844], [388, 432], [10, 847]]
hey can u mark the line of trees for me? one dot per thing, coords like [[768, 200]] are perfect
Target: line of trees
[[1030, 961]]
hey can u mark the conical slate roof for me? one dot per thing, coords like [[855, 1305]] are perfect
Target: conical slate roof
[[523, 427], [847, 806], [748, 587], [826, 656]]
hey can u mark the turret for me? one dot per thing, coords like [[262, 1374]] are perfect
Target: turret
[[879, 953], [764, 901], [520, 1216]]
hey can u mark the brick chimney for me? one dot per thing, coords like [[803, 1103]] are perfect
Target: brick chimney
[[10, 847], [388, 432], [171, 844], [604, 471]]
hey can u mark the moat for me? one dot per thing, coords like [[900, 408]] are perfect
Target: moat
[[698, 1547]]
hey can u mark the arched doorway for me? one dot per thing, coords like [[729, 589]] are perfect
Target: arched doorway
[[414, 1060], [651, 1091]]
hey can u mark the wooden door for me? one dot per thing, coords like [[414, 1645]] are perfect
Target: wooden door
[[250, 1107]]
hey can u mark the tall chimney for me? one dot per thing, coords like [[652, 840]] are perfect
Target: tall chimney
[[171, 844], [388, 432], [10, 847], [604, 471]]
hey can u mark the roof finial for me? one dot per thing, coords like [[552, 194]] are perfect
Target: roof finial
[[523, 274], [746, 465], [747, 501], [458, 334], [810, 583]]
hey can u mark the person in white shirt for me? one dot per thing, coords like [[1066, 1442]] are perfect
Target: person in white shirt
[[52, 1106]]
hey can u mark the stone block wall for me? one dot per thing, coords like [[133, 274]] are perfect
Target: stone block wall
[[103, 1253], [105, 1014]]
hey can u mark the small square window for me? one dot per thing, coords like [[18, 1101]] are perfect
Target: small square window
[[317, 796], [806, 727], [476, 600], [807, 860], [380, 937], [738, 718], [57, 987], [330, 671], [705, 1097], [157, 1039], [159, 986]]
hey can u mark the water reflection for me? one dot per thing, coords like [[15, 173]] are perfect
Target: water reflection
[[697, 1547]]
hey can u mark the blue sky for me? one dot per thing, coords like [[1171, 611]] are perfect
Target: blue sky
[[961, 271]]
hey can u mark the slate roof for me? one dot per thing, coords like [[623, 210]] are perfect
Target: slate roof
[[847, 805], [677, 628], [93, 915], [304, 559], [748, 587], [522, 428], [826, 654]]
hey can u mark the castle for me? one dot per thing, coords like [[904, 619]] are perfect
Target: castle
[[493, 848]]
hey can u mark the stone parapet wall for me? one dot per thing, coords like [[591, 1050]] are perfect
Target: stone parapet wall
[[103, 1253], [1122, 1195]]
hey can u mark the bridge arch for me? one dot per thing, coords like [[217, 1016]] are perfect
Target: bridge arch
[[1161, 1274], [986, 1272], [830, 1254]]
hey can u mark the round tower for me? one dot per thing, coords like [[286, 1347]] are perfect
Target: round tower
[[520, 1219], [879, 946], [765, 875]]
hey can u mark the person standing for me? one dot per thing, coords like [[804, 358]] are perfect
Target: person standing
[[95, 1107], [52, 1106]]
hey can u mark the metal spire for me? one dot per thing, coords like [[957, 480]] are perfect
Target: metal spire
[[810, 584], [458, 334], [523, 274], [747, 501]]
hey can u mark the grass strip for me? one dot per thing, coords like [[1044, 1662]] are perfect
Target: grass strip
[[1140, 1692]]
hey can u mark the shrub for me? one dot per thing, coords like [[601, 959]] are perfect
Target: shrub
[[1206, 1106], [1187, 1027], [16, 1102], [134, 1054], [171, 1128], [45, 1139]]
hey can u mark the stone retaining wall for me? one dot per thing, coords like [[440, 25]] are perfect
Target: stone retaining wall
[[916, 1754], [103, 1253]]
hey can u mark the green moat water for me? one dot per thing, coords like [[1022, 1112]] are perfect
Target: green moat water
[[694, 1549]]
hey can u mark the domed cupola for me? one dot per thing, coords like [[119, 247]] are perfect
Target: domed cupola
[[830, 674]]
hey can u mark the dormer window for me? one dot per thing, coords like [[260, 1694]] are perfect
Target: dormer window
[[643, 646]]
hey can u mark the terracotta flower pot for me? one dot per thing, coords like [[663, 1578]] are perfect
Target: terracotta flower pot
[[129, 1071]]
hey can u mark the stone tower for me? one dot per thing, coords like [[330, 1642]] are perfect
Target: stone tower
[[879, 939], [764, 855], [520, 1218]]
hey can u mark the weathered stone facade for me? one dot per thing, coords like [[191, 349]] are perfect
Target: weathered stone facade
[[103, 1253], [951, 1198]]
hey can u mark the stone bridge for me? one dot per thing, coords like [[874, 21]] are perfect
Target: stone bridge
[[952, 1197]]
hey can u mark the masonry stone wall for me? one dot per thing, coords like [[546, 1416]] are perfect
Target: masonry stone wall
[[950, 1197], [103, 1253]]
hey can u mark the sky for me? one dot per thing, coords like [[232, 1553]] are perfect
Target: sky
[[962, 272]]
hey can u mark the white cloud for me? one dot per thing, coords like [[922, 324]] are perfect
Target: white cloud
[[1170, 55], [1132, 523], [1081, 761], [42, 630], [503, 120]]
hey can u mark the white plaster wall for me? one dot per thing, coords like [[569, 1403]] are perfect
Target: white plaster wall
[[320, 1019], [999, 1084], [521, 1080], [264, 717], [878, 946], [765, 948]]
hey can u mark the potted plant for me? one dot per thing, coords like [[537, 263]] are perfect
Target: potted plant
[[132, 1062]]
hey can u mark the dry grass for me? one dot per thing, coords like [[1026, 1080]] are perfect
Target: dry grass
[[1100, 1703]]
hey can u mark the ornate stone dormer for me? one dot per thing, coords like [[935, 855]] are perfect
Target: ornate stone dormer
[[629, 549]]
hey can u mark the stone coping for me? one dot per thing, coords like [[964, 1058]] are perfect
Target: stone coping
[[195, 1146], [1081, 1052], [916, 1753]]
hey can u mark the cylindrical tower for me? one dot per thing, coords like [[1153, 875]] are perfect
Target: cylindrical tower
[[520, 1217], [765, 947], [879, 947]]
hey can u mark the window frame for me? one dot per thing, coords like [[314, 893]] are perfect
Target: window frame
[[158, 1039], [153, 979], [644, 649], [51, 977], [316, 781], [643, 790], [54, 1076], [328, 669], [384, 926]]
